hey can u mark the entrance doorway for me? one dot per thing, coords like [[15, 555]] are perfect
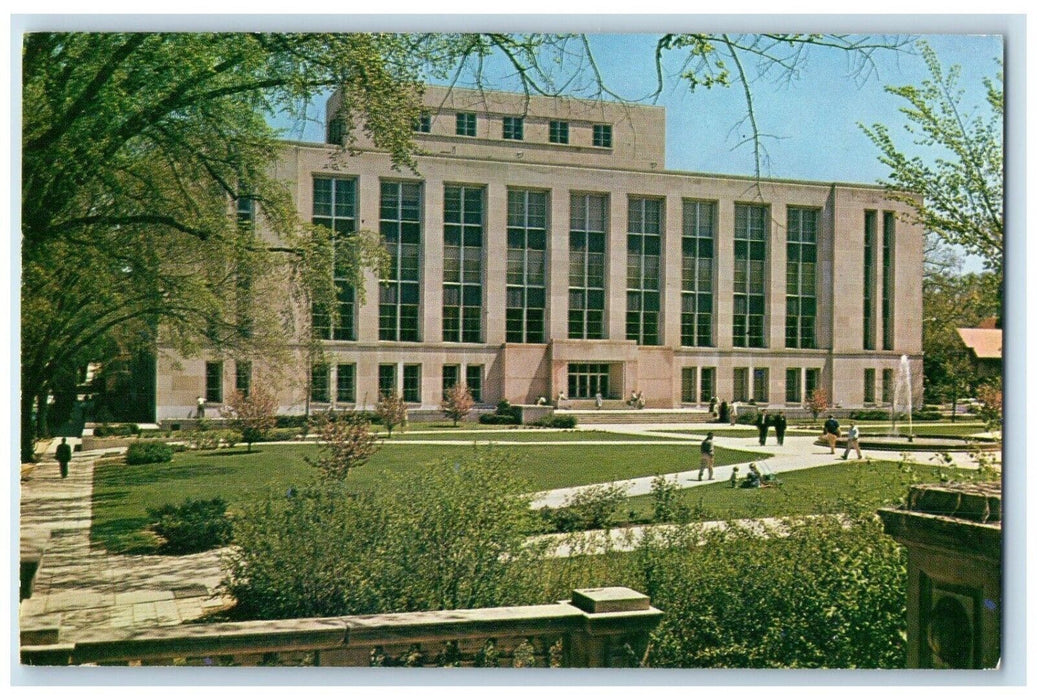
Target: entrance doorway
[[588, 379]]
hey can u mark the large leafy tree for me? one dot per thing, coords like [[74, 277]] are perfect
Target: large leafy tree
[[135, 149], [961, 174]]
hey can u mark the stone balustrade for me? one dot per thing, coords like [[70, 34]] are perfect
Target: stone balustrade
[[598, 627]]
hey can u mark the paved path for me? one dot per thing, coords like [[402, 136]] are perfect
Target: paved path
[[798, 452], [79, 587]]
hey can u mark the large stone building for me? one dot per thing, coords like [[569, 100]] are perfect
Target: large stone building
[[543, 248]]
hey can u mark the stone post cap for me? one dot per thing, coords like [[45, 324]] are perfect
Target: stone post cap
[[610, 599], [979, 502]]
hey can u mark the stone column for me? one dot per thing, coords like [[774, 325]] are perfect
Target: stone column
[[953, 538]]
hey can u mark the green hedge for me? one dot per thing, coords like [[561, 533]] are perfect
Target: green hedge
[[192, 526], [497, 419], [148, 453], [117, 430], [557, 421]]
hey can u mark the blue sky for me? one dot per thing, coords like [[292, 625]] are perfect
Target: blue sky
[[812, 123]]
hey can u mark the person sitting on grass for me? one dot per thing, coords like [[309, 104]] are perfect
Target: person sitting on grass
[[753, 479]]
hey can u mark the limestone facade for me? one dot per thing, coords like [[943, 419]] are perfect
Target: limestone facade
[[715, 313]]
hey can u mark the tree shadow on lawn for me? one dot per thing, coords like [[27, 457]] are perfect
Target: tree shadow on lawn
[[142, 474]]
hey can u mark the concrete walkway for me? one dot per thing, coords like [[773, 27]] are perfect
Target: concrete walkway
[[78, 587], [798, 452]]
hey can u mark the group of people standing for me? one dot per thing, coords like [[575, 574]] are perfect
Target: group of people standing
[[765, 422]]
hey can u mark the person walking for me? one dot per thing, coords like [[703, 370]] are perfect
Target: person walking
[[201, 406], [713, 407], [64, 455], [831, 432], [853, 437], [707, 457], [722, 416], [598, 401], [762, 423], [780, 424]]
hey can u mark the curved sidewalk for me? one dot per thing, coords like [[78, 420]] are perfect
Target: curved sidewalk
[[798, 452]]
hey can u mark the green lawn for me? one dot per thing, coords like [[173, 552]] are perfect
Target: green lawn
[[123, 493], [483, 436], [871, 484]]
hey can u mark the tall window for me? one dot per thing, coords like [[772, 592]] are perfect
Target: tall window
[[334, 206], [527, 251], [513, 128], [869, 386], [243, 377], [602, 135], [707, 384], [869, 280], [399, 292], [214, 382], [697, 247], [888, 229], [587, 224], [740, 377], [644, 242], [812, 380], [412, 383], [750, 291], [887, 386], [800, 279], [793, 390], [451, 375], [473, 378], [761, 385], [462, 264], [689, 376], [320, 377], [345, 383], [386, 380], [465, 124], [558, 132]]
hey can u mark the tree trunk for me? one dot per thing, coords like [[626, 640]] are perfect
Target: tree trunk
[[28, 436]]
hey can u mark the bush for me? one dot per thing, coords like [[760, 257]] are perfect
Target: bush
[[280, 435], [192, 526], [504, 408], [590, 508], [206, 439], [452, 537], [117, 430], [927, 414], [291, 422], [345, 442], [148, 453], [871, 414], [746, 418], [830, 594], [556, 421], [497, 419]]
